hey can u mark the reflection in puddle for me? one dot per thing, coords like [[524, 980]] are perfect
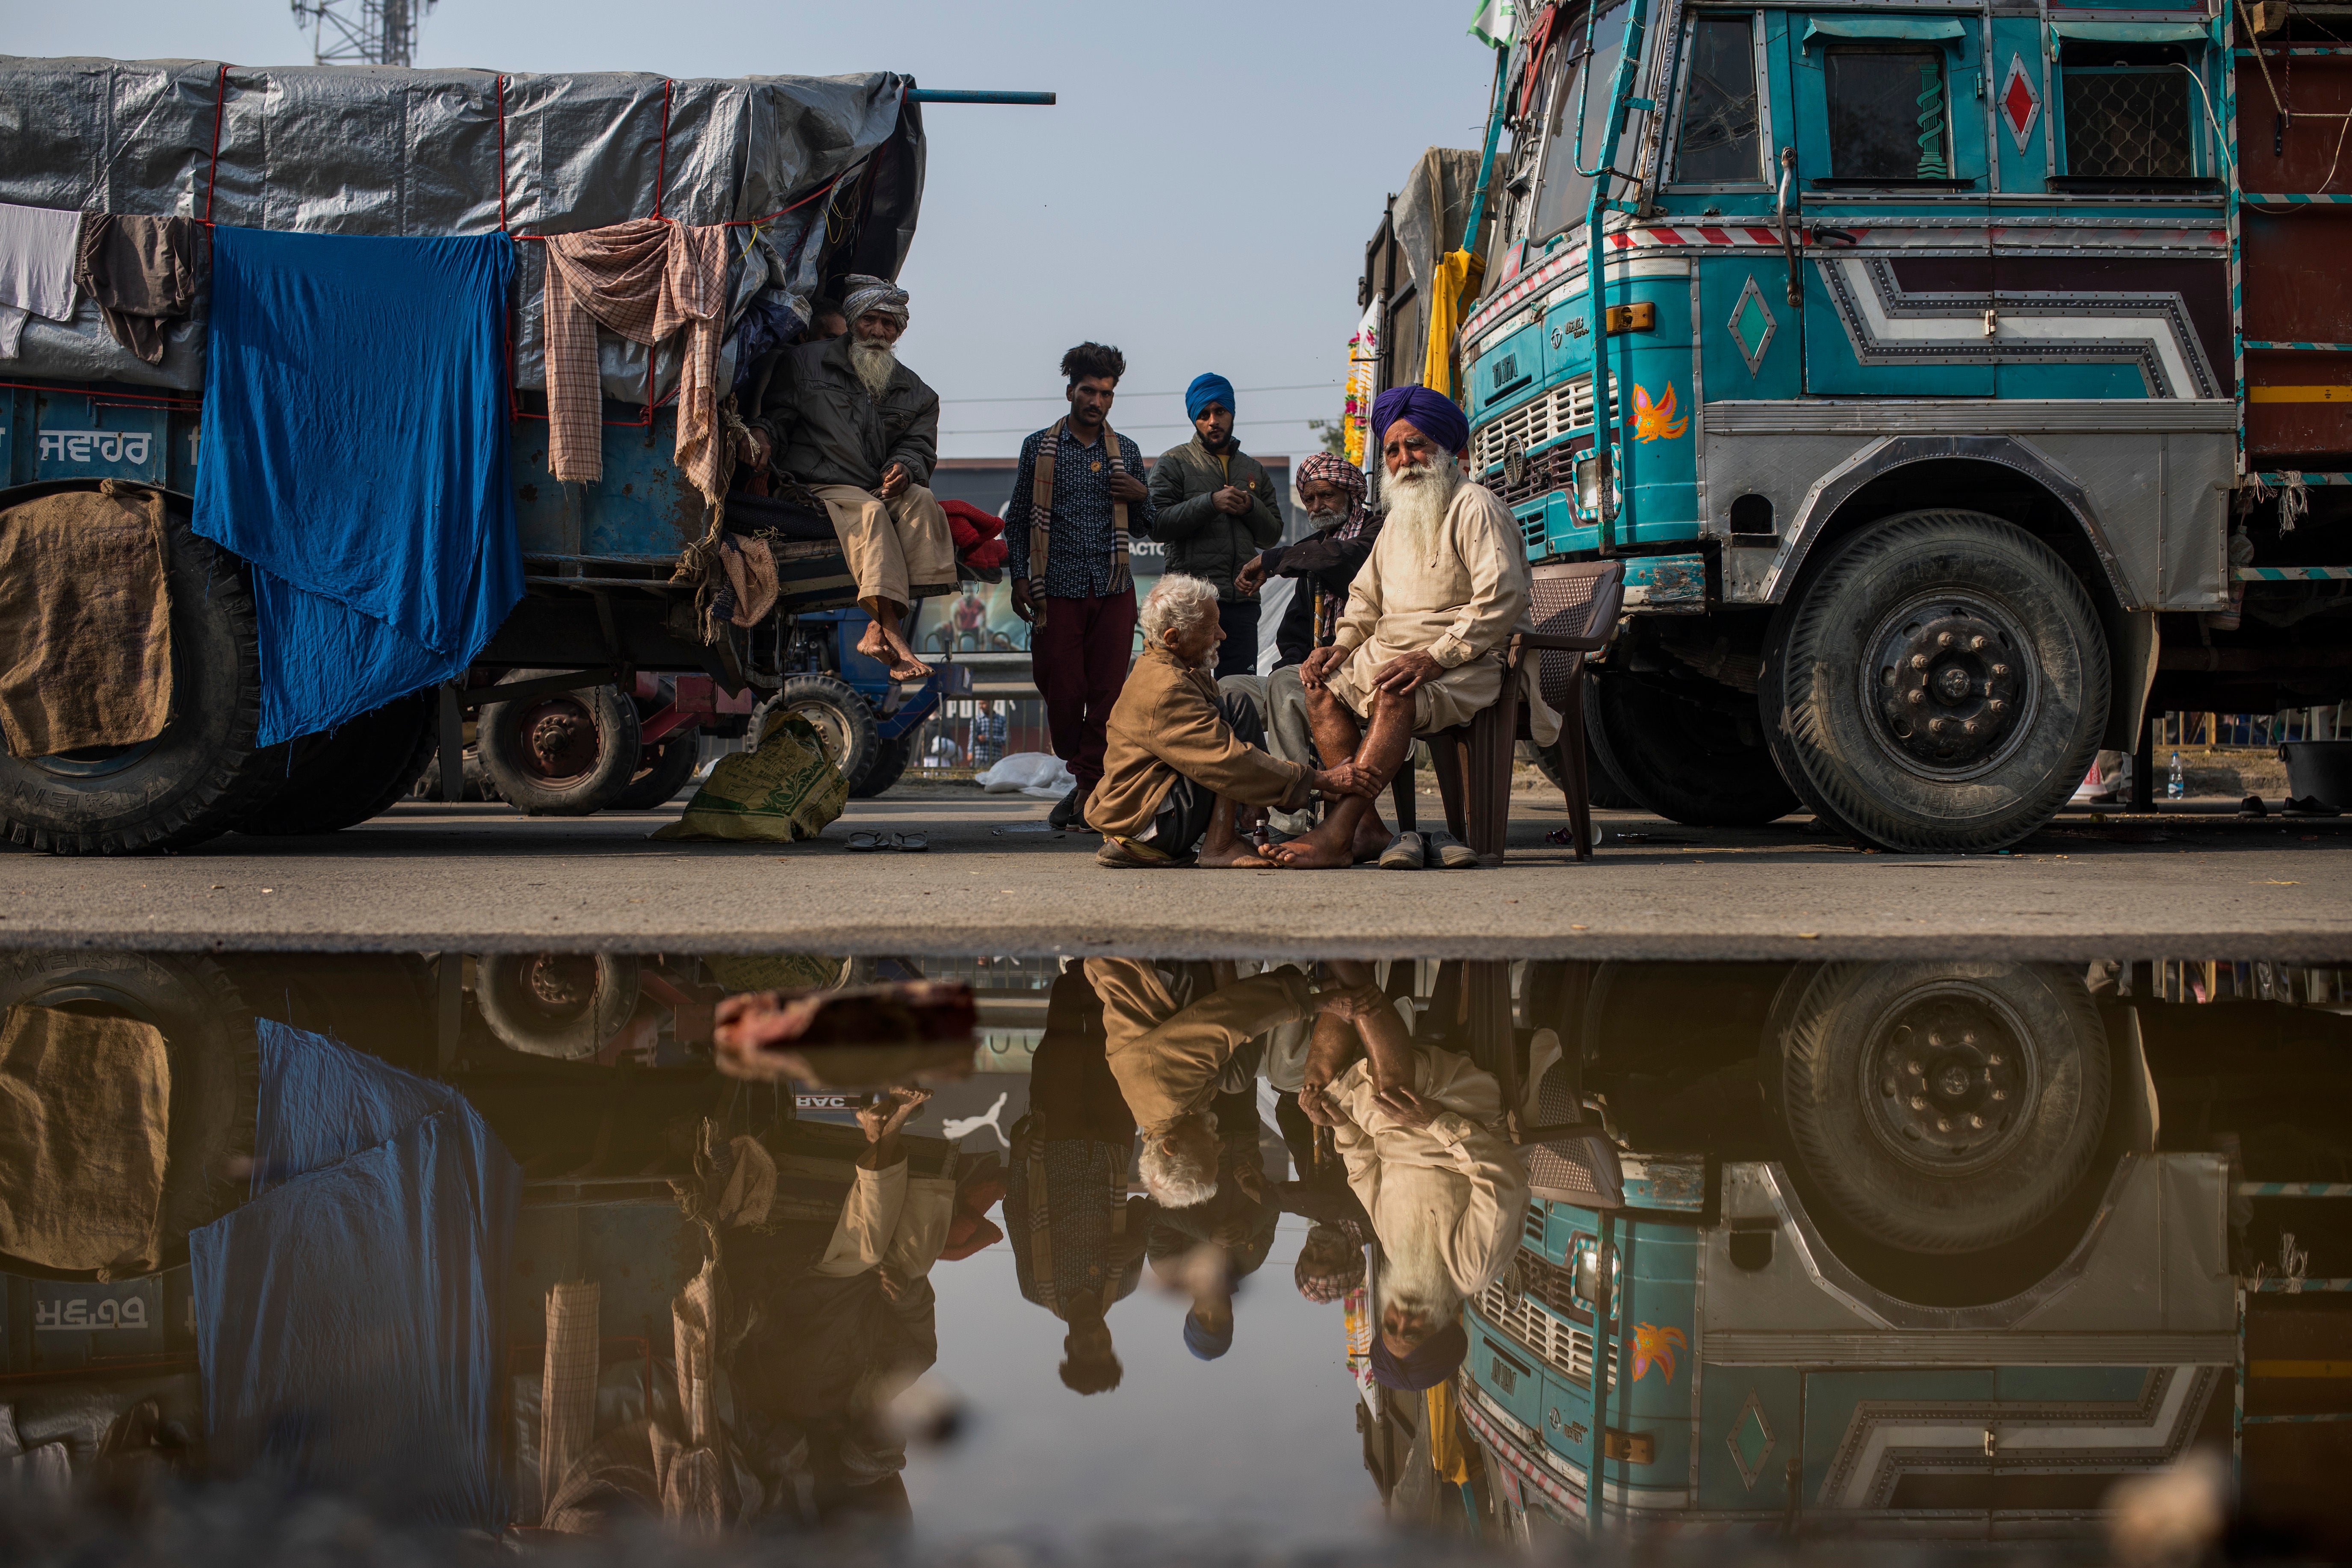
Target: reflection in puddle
[[543, 1243]]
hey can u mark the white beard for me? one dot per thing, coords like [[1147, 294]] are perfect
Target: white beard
[[1419, 497], [874, 364], [1414, 1273]]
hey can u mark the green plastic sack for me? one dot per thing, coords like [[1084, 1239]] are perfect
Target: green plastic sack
[[782, 791]]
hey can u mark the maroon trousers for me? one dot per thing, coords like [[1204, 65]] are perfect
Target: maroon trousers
[[1080, 658]]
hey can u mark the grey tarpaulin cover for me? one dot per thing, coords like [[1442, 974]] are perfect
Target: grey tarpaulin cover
[[380, 150]]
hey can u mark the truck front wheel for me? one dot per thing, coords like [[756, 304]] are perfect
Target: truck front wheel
[[342, 777], [1938, 683]]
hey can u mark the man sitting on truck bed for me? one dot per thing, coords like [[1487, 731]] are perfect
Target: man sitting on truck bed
[[1425, 639], [844, 417]]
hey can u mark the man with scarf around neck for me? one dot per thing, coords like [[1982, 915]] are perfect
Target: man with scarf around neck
[[1215, 510], [1076, 508], [1323, 566], [1425, 638], [842, 416]]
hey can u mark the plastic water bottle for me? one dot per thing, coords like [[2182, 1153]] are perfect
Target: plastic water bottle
[[2177, 785]]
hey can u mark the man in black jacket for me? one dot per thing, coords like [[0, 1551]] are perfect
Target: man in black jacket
[[1214, 509], [844, 417]]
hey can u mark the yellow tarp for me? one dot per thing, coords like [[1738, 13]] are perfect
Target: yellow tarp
[[1457, 283]]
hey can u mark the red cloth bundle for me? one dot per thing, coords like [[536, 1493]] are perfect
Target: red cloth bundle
[[978, 534]]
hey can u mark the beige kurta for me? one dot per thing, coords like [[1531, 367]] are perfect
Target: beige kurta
[[890, 1217], [1458, 593], [1454, 1187], [1168, 1060], [895, 548]]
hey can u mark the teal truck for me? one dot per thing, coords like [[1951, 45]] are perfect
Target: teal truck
[[1916, 1249], [1976, 387]]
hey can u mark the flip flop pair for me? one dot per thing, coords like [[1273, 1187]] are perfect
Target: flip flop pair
[[864, 839]]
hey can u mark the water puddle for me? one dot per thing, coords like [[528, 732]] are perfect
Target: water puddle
[[542, 1245]]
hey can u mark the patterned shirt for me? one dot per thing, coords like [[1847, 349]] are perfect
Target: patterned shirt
[[1078, 566]]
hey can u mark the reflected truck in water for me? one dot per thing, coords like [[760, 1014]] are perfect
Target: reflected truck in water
[[1943, 1250]]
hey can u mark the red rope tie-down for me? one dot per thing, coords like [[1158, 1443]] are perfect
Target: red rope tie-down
[[211, 169]]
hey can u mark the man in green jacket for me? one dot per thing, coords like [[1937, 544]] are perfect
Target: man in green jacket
[[1214, 509]]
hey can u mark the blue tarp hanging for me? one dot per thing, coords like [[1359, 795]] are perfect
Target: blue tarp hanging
[[355, 394], [349, 1318]]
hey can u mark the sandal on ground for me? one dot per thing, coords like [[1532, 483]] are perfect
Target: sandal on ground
[[2253, 806], [1406, 852], [1126, 855], [2310, 806], [913, 843], [1450, 853], [864, 840]]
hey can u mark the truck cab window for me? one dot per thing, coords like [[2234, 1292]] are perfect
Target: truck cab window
[[1583, 81], [1718, 140], [1888, 119], [2128, 114]]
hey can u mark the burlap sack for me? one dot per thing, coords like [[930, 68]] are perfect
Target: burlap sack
[[785, 791], [87, 621], [85, 1116]]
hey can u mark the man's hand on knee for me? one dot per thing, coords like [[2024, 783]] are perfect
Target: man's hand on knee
[[895, 481], [1406, 672], [1319, 664]]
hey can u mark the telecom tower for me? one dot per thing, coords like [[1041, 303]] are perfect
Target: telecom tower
[[362, 32]]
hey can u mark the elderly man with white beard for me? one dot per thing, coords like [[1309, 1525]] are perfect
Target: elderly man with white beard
[[842, 416], [1424, 641], [1419, 1130]]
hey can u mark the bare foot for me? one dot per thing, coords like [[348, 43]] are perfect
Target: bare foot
[[1241, 857], [873, 645], [1312, 853], [909, 669], [1372, 838]]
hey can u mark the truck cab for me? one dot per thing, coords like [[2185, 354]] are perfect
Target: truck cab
[[1926, 441]]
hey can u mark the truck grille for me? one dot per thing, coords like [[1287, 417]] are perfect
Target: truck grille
[[1563, 1347], [1545, 472], [1567, 408]]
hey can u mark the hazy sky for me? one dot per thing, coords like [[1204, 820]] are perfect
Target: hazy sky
[[1201, 196]]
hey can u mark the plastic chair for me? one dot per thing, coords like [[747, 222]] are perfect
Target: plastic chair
[[1575, 612]]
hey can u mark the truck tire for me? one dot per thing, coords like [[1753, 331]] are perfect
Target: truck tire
[[1965, 619], [890, 760], [1688, 749], [344, 776], [1607, 793], [201, 774], [1944, 1107], [568, 754], [841, 717], [663, 769], [213, 1063], [565, 1005]]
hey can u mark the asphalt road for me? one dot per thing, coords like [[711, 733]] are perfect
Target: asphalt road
[[2188, 884]]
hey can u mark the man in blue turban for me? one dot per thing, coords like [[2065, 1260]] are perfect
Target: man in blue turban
[[1424, 641], [1214, 509]]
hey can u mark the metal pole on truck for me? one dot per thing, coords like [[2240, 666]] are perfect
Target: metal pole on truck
[[1604, 399]]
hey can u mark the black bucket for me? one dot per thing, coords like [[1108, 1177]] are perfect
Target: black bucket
[[2322, 768]]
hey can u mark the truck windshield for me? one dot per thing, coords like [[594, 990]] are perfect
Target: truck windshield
[[1579, 80]]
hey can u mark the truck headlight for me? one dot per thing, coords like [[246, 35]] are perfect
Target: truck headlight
[[1592, 488]]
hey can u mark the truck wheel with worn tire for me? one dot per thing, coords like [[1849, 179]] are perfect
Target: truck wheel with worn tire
[[344, 776], [202, 772], [1937, 682], [663, 769], [1941, 1108], [565, 753], [890, 760]]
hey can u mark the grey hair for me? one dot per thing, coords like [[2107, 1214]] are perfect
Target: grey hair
[[1176, 601], [1186, 1177]]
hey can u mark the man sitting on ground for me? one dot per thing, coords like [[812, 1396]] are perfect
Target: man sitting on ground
[[1181, 760], [1425, 638], [846, 418]]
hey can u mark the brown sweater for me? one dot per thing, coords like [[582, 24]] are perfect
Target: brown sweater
[[1166, 722], [1168, 1061]]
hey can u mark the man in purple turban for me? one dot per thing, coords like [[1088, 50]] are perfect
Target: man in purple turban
[[1425, 640]]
